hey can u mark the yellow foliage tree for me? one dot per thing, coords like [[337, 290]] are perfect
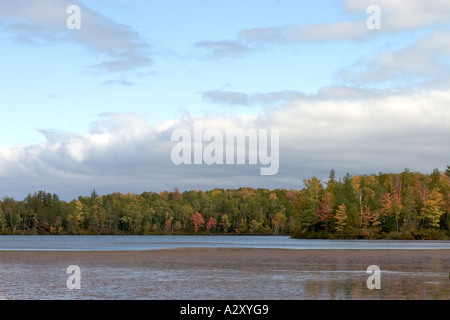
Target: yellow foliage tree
[[341, 218], [432, 209], [279, 221], [225, 222]]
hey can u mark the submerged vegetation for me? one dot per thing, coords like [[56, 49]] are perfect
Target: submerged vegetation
[[406, 205]]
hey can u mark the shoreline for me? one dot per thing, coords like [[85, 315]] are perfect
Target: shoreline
[[443, 238], [125, 252]]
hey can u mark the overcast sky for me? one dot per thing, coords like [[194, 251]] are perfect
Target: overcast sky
[[96, 107]]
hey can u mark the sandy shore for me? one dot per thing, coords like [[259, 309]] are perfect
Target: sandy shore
[[197, 273]]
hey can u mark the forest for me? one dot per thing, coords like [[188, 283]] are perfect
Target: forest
[[406, 205]]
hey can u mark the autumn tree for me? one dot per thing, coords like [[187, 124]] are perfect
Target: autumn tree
[[178, 226], [169, 226], [341, 219], [243, 226], [279, 221], [356, 184], [186, 212], [255, 226], [212, 222], [98, 214], [386, 213], [198, 221], [273, 202], [314, 188], [225, 223], [325, 211], [369, 218], [432, 210], [76, 218]]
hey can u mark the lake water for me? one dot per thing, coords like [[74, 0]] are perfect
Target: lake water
[[35, 267], [118, 243]]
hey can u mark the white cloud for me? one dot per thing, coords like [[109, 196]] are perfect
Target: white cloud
[[425, 60], [227, 97], [223, 49], [121, 82], [43, 22], [342, 30], [242, 98], [404, 14], [396, 16]]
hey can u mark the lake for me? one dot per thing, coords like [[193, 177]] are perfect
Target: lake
[[220, 267], [126, 242]]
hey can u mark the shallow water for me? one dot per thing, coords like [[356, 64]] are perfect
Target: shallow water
[[246, 275], [311, 277]]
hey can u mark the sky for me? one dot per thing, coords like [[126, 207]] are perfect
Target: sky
[[92, 99]]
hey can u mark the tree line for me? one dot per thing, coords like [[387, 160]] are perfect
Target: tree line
[[406, 205]]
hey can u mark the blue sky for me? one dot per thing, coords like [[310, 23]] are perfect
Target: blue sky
[[62, 93], [137, 70]]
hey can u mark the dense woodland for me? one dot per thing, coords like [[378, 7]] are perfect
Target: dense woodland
[[406, 205]]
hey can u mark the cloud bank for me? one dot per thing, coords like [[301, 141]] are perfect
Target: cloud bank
[[350, 130]]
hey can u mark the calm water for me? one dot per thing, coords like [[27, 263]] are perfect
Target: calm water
[[117, 243], [422, 275]]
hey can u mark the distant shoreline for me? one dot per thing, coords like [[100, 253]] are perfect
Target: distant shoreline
[[310, 236], [398, 206]]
